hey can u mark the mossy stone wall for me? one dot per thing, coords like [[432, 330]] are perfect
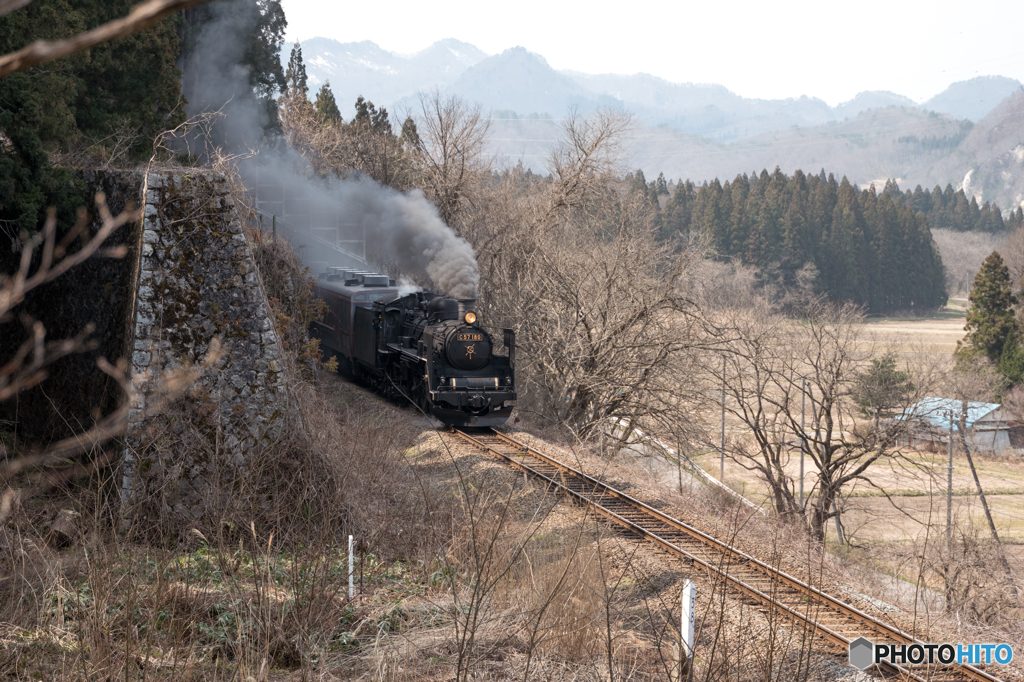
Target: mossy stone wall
[[197, 281]]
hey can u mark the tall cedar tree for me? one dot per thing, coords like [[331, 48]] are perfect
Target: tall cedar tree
[[990, 319], [326, 105], [221, 40], [1011, 361], [121, 93], [295, 76]]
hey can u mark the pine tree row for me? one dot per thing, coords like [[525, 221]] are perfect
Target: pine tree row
[[106, 103], [870, 248], [946, 209]]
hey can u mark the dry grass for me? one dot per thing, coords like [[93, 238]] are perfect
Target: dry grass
[[258, 582], [568, 598]]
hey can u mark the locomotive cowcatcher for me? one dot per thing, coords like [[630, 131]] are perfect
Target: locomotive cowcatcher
[[423, 346]]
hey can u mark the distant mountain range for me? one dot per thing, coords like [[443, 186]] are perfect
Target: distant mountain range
[[702, 131], [383, 77], [522, 81]]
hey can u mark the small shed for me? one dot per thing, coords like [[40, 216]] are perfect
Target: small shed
[[989, 428]]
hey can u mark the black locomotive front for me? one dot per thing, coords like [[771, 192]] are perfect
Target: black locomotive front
[[433, 350]]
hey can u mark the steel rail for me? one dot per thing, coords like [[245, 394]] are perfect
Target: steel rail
[[730, 556]]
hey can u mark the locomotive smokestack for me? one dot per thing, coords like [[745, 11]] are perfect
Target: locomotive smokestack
[[466, 305]]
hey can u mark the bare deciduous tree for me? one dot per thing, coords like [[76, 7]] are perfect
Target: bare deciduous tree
[[339, 149], [452, 134], [324, 144], [1011, 248], [962, 254], [574, 265], [789, 383]]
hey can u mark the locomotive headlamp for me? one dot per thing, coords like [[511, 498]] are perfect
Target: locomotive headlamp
[[470, 318]]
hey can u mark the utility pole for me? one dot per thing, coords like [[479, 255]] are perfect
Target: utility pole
[[803, 437], [679, 463], [949, 489], [721, 466]]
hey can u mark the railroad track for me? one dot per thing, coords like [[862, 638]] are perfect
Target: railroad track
[[745, 576]]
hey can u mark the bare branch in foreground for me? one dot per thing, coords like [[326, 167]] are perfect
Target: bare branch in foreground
[[141, 17], [7, 6], [171, 385], [28, 366]]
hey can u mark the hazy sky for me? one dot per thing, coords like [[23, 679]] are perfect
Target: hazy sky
[[756, 48]]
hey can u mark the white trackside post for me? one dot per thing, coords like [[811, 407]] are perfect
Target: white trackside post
[[351, 569], [689, 613]]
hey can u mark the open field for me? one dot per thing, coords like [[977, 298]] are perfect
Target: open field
[[936, 335], [909, 491], [909, 494]]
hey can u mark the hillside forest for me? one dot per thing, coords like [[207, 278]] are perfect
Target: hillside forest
[[874, 249]]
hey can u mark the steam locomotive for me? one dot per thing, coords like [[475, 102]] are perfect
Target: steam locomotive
[[421, 346]]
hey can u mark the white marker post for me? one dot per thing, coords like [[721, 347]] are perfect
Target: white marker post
[[689, 614], [351, 569]]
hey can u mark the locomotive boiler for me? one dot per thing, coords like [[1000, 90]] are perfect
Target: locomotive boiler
[[422, 346]]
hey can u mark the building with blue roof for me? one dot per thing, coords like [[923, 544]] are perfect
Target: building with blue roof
[[989, 426]]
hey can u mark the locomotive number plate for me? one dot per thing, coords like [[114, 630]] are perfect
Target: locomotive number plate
[[469, 337]]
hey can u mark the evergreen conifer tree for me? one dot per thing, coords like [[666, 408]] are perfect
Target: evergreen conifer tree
[[218, 40], [118, 94], [325, 104], [295, 77], [990, 318], [410, 135], [638, 183], [1011, 361], [882, 387]]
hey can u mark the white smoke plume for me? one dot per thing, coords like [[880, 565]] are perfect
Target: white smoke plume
[[406, 286]]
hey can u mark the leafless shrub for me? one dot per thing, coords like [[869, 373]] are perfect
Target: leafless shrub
[[106, 153], [973, 591]]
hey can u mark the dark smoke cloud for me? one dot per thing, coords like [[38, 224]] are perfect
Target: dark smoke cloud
[[405, 227]]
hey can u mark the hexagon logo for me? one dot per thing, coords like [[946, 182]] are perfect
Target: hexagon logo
[[862, 653]]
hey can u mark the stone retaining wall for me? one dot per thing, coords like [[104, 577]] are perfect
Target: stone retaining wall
[[197, 281]]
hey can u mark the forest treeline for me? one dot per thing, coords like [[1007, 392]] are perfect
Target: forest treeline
[[866, 247], [112, 99], [952, 210]]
